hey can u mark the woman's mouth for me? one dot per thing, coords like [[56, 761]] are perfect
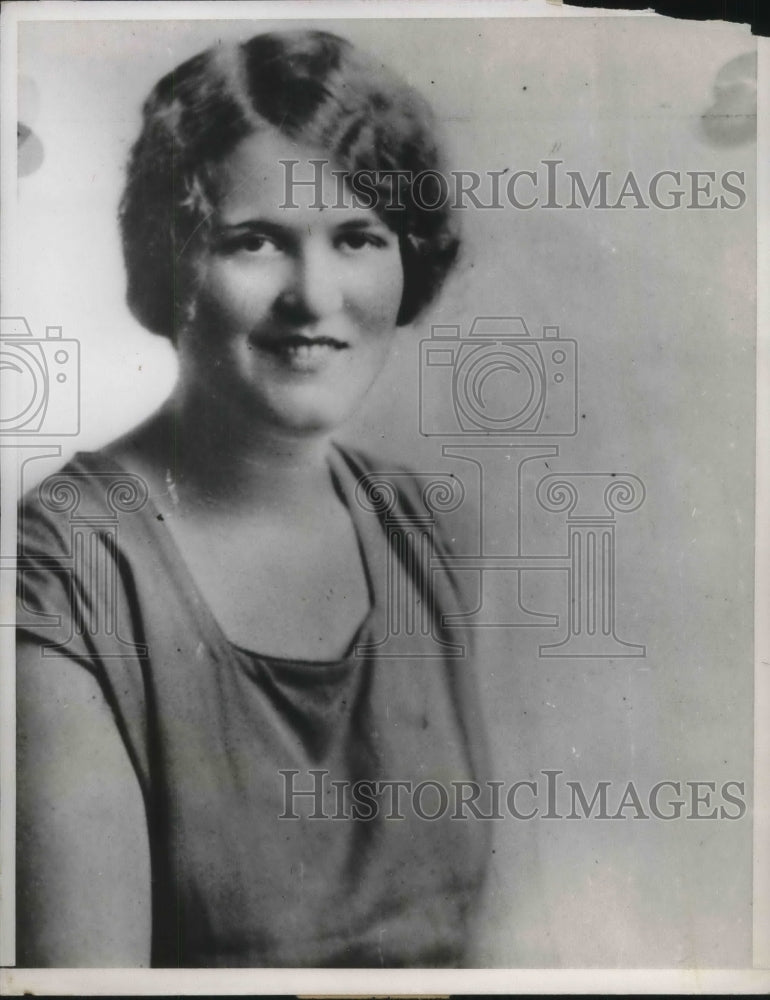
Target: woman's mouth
[[301, 353]]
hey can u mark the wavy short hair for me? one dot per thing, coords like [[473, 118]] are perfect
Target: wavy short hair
[[313, 87]]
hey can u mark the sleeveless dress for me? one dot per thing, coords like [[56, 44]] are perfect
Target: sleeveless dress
[[278, 833]]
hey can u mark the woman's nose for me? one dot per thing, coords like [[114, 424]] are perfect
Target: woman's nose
[[313, 288]]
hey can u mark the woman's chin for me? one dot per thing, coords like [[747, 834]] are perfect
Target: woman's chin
[[310, 417]]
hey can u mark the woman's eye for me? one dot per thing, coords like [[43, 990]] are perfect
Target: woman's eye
[[361, 241], [252, 243], [258, 244]]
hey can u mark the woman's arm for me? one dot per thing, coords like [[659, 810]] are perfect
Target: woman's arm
[[83, 857]]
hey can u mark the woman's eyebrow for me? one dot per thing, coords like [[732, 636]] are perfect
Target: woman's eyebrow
[[263, 226], [363, 222], [267, 227]]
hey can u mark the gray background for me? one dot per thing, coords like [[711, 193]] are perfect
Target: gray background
[[662, 305]]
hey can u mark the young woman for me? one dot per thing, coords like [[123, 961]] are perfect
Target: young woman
[[202, 601]]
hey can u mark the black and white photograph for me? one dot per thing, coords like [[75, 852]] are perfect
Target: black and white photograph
[[381, 508]]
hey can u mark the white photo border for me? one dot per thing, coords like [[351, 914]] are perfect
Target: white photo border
[[14, 981]]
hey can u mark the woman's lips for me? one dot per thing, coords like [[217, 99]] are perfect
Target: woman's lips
[[300, 353]]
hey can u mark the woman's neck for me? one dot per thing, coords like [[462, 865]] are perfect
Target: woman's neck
[[211, 465]]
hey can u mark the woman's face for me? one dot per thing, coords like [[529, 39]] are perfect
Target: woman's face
[[295, 310]]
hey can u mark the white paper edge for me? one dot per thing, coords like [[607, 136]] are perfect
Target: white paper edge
[[102, 982]]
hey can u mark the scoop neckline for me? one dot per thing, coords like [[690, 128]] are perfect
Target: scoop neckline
[[212, 630], [321, 670]]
